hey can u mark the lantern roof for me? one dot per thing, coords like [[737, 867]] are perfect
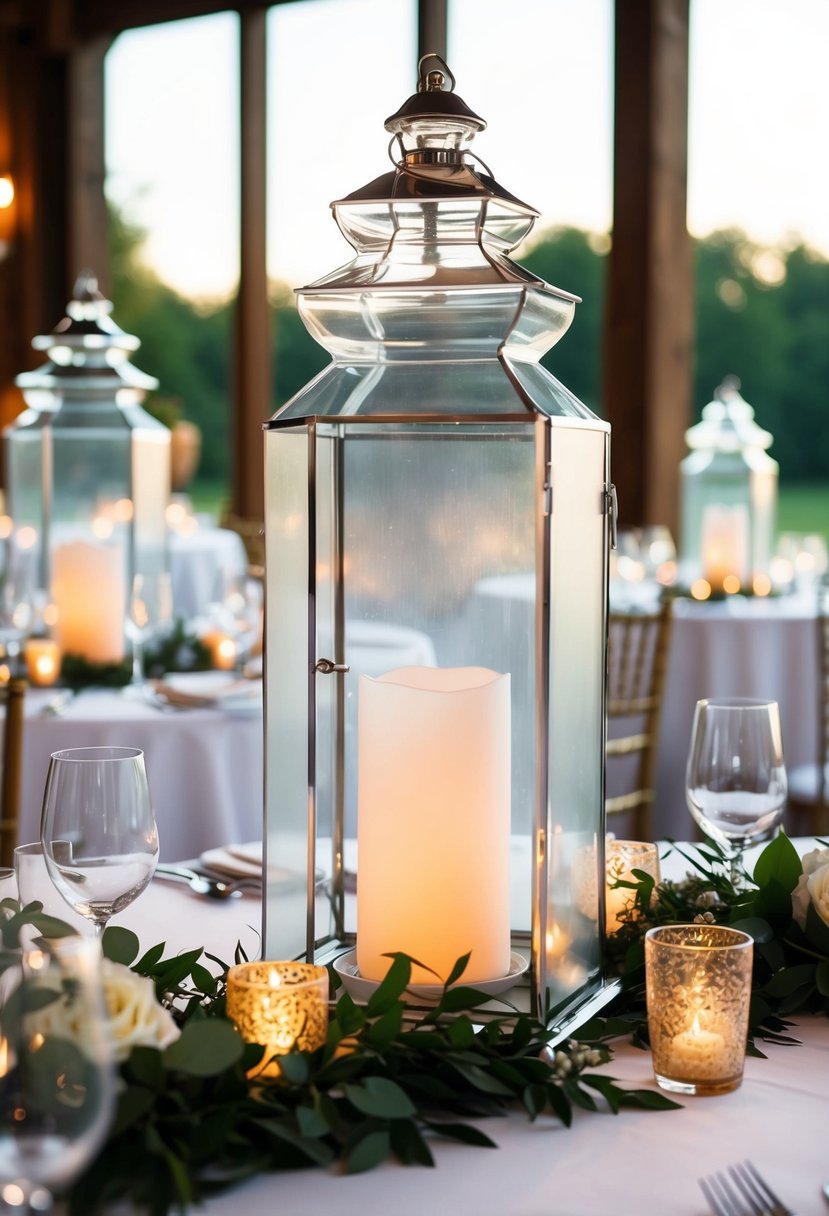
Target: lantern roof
[[86, 349], [727, 423]]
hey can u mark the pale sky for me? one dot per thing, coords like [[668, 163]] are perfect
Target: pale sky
[[758, 127]]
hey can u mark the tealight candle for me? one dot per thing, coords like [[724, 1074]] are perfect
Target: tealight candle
[[622, 857], [698, 980], [281, 1005], [42, 658], [222, 648]]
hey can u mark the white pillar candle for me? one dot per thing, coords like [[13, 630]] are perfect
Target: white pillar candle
[[724, 544], [702, 1055], [434, 821], [89, 592]]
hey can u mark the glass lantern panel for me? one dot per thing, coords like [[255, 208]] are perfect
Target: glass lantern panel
[[435, 522], [287, 665], [575, 758]]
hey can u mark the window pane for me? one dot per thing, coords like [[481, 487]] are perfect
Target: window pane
[[336, 70], [758, 180], [545, 88], [172, 159]]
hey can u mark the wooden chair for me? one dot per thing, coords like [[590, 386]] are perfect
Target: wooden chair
[[11, 697], [637, 654], [808, 802]]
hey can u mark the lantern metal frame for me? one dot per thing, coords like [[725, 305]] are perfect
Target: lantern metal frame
[[296, 899]]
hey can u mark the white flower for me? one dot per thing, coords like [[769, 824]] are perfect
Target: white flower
[[136, 1018], [812, 887]]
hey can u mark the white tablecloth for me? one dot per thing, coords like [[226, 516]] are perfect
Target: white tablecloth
[[637, 1162], [748, 648], [196, 560], [740, 647], [204, 766]]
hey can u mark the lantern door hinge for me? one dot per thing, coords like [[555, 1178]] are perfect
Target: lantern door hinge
[[548, 489], [611, 509]]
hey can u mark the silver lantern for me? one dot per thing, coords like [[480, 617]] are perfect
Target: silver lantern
[[88, 476], [728, 485], [438, 510]]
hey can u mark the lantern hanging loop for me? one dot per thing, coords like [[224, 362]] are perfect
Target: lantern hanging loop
[[428, 82]]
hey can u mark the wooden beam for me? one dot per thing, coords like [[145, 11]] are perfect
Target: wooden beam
[[648, 341], [88, 246], [252, 377], [432, 28]]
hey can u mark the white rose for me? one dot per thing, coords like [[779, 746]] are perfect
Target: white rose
[[136, 1018], [812, 887]]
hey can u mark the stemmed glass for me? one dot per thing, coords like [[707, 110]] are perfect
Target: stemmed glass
[[237, 610], [98, 829], [735, 782], [57, 1081], [150, 610]]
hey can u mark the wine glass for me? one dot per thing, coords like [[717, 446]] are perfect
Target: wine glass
[[237, 611], [98, 829], [735, 782], [150, 610], [57, 1079]]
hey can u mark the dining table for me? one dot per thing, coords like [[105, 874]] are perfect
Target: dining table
[[638, 1161], [204, 764]]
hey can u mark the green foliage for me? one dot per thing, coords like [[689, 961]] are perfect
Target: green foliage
[[791, 965], [190, 1123]]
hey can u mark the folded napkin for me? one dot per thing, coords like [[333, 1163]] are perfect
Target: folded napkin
[[206, 689], [236, 860]]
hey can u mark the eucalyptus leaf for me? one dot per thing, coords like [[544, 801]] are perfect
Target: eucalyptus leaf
[[779, 861], [369, 1151], [120, 945], [464, 1132], [408, 1144], [817, 930], [205, 1049], [380, 1098], [757, 928], [458, 969]]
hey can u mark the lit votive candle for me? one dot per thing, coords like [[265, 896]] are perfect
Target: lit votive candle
[[42, 658], [222, 648], [281, 1006], [622, 857], [698, 980]]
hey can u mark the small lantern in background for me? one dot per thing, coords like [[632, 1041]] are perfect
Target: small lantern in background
[[729, 500], [437, 514], [88, 476]]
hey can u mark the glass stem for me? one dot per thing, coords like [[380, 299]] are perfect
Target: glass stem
[[138, 662]]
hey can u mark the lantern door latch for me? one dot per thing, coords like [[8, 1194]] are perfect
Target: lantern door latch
[[328, 667]]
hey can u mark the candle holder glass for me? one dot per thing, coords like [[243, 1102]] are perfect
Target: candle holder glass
[[283, 1006], [698, 980]]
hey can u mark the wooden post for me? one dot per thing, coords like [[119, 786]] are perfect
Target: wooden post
[[648, 342], [251, 387]]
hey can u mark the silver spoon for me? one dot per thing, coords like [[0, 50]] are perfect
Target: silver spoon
[[201, 884]]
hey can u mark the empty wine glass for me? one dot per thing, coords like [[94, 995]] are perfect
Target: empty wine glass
[[150, 611], [98, 829], [57, 1081], [735, 782]]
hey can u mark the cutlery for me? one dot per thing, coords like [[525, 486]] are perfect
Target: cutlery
[[742, 1192], [203, 884], [58, 704]]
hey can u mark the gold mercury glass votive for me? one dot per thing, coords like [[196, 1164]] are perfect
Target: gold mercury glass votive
[[698, 981], [282, 1006]]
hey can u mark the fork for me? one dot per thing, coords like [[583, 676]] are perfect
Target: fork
[[742, 1192], [205, 884]]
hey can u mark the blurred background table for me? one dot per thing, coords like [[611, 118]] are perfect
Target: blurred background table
[[204, 766], [197, 560], [742, 648]]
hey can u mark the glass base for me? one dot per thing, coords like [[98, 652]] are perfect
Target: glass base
[[699, 1089]]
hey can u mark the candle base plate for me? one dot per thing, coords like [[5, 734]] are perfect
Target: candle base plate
[[360, 989]]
